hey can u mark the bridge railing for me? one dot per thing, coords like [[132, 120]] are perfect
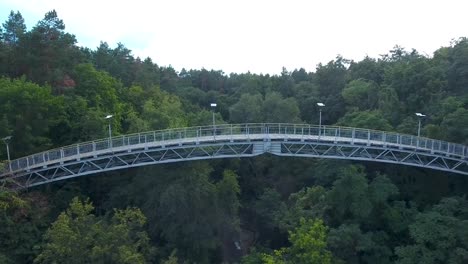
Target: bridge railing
[[325, 133]]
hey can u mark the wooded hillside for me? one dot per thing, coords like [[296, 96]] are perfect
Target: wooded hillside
[[258, 210]]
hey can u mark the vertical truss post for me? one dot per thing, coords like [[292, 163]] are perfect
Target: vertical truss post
[[368, 137], [230, 134], [336, 135]]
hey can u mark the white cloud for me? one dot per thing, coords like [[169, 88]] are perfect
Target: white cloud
[[260, 36]]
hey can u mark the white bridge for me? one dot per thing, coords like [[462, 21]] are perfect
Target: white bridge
[[233, 140]]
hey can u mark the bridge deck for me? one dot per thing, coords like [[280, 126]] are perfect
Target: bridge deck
[[278, 139]]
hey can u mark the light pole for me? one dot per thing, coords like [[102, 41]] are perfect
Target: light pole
[[320, 105], [110, 129], [419, 115], [213, 106], [6, 141]]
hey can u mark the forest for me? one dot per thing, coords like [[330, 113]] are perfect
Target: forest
[[266, 209]]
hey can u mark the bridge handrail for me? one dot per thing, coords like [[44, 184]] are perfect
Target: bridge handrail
[[178, 134]]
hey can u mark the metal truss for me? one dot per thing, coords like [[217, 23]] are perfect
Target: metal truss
[[379, 154], [124, 160], [228, 141]]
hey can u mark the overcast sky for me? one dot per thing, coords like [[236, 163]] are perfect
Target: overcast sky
[[255, 35]]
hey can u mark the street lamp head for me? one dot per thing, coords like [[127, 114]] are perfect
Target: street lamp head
[[213, 104], [108, 116], [7, 138], [420, 115], [320, 104]]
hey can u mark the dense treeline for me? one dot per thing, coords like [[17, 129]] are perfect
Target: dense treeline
[[261, 210]]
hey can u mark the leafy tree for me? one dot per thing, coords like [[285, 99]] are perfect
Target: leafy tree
[[365, 119], [268, 207], [14, 27], [349, 196], [120, 63], [247, 110], [458, 67], [360, 94], [300, 75], [81, 123], [147, 73], [308, 203], [10, 37], [99, 89], [31, 111], [307, 97], [22, 219], [381, 189], [389, 104], [163, 110], [186, 213], [308, 245], [331, 80], [228, 204], [438, 235], [278, 110], [50, 53], [368, 69], [455, 126], [78, 236]]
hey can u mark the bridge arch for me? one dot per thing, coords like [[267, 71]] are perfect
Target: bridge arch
[[233, 140]]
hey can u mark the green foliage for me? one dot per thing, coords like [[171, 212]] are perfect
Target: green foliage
[[381, 189], [99, 89], [365, 119], [455, 126], [268, 207], [14, 27], [10, 200], [439, 235], [30, 111], [21, 222], [185, 211], [54, 93], [278, 110], [349, 195], [163, 110], [360, 94], [78, 236], [308, 245], [247, 110], [308, 203]]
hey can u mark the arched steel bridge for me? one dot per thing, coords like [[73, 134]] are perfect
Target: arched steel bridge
[[233, 140]]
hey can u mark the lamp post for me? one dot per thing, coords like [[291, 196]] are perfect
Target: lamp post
[[6, 141], [110, 129], [419, 115], [320, 105], [213, 106]]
